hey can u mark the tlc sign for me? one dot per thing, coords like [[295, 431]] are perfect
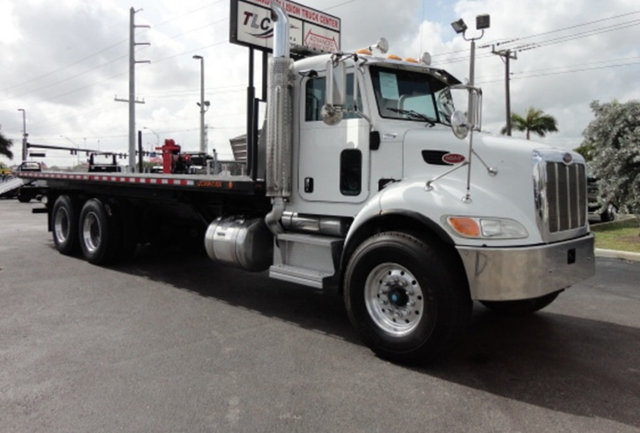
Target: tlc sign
[[311, 30]]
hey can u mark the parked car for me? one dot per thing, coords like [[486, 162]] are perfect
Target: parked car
[[30, 166]]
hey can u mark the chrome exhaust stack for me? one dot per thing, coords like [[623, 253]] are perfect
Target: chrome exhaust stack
[[279, 121]]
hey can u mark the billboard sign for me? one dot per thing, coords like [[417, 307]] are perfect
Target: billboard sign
[[311, 30]]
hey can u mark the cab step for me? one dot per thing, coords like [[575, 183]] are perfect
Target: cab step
[[306, 259]]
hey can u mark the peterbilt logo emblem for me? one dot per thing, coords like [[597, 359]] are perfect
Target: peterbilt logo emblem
[[567, 158], [453, 158]]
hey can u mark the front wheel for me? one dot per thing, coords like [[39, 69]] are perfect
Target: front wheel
[[407, 299]]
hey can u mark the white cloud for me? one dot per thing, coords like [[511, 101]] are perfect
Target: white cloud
[[562, 71], [65, 61]]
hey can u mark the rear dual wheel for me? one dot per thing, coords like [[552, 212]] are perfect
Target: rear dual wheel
[[98, 232], [64, 224], [102, 231]]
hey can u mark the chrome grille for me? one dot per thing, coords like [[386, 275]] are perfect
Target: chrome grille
[[566, 196], [560, 194]]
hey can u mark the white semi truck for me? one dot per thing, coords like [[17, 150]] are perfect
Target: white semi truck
[[361, 186]]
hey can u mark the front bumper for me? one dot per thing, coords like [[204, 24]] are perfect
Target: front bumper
[[506, 274]]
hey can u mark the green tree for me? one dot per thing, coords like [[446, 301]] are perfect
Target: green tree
[[586, 150], [5, 144], [613, 140], [534, 121]]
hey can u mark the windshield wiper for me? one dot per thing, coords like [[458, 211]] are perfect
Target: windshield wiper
[[414, 114]]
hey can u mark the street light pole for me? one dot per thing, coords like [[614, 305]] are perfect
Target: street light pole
[[157, 138], [24, 134], [202, 104], [154, 133]]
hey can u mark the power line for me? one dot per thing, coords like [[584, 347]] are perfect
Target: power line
[[97, 53], [55, 83], [569, 27], [556, 71], [53, 98], [39, 77], [190, 51], [542, 74], [339, 4], [566, 38], [198, 28], [552, 41], [187, 13], [532, 45]]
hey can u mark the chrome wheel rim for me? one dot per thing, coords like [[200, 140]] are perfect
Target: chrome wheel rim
[[394, 299], [61, 223], [91, 232]]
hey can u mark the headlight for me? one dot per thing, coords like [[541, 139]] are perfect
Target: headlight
[[485, 227]]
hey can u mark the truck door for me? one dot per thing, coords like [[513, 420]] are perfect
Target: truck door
[[333, 159]]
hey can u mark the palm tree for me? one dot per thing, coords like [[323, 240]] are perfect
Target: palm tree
[[5, 144], [535, 121]]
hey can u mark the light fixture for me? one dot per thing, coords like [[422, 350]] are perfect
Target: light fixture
[[382, 45], [459, 26], [483, 22]]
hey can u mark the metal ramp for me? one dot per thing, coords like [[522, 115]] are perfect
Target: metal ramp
[[11, 184]]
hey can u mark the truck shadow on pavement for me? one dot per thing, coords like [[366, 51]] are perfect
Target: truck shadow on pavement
[[573, 365], [569, 364]]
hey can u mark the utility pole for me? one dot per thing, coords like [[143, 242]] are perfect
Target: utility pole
[[506, 56], [132, 87]]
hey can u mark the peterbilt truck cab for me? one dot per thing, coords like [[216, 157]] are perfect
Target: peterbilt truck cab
[[395, 200]]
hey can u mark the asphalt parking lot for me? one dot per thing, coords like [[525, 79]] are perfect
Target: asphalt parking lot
[[175, 343]]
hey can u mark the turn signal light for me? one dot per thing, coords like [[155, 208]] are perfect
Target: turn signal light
[[468, 227], [486, 227]]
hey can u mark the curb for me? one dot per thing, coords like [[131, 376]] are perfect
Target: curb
[[614, 254]]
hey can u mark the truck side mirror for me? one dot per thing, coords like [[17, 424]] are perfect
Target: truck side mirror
[[463, 123], [336, 93]]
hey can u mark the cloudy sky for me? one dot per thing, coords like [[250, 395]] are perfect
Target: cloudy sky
[[65, 61]]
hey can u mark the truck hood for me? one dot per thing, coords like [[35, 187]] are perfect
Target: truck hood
[[425, 147], [505, 191], [440, 137]]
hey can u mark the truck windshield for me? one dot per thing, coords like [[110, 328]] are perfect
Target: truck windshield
[[410, 95]]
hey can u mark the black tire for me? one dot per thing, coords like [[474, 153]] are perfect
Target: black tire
[[408, 300], [610, 214], [64, 225], [24, 198], [97, 232], [521, 307]]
